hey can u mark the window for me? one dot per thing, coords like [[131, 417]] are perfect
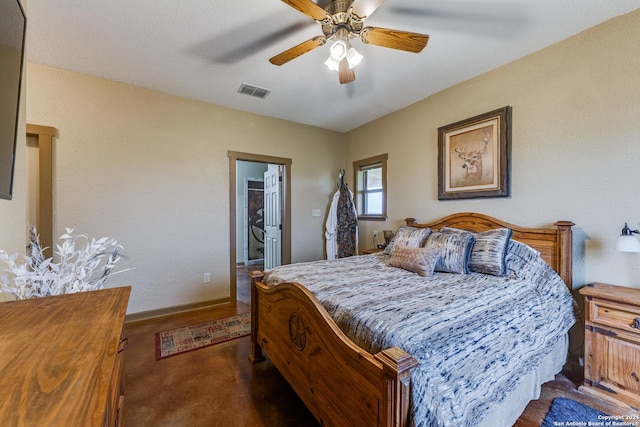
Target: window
[[371, 187]]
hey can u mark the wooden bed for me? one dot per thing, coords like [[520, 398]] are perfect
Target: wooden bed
[[339, 382]]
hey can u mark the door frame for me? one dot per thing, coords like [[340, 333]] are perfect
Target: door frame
[[44, 208], [234, 156]]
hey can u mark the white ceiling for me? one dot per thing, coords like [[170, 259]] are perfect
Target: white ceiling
[[204, 49]]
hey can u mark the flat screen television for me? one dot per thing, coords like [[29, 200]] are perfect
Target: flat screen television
[[13, 25]]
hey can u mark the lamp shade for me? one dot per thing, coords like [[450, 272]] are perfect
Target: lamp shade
[[627, 243], [353, 57], [332, 63], [339, 50]]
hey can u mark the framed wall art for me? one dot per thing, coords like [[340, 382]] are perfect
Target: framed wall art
[[474, 156]]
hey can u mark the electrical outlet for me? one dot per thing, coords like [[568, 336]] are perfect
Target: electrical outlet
[[206, 278]]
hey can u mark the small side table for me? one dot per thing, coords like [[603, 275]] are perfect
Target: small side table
[[612, 343], [370, 251]]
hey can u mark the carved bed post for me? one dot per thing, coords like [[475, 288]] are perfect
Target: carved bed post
[[397, 365], [256, 350], [565, 248], [410, 221]]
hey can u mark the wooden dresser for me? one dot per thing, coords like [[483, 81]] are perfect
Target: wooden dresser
[[61, 360], [612, 343]]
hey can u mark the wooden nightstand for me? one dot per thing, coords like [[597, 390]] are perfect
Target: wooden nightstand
[[370, 251], [612, 343]]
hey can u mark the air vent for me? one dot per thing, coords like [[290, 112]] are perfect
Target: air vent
[[254, 91]]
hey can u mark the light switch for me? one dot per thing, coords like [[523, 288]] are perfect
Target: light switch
[[316, 212]]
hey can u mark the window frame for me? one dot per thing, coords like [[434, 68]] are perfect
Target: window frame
[[359, 168]]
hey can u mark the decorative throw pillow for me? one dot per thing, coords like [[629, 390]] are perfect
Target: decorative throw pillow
[[408, 236], [418, 260], [454, 250], [489, 251]]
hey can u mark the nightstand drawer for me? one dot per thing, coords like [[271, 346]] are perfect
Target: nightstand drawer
[[612, 367], [608, 313], [623, 367]]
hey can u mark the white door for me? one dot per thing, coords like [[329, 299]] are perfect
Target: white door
[[272, 218]]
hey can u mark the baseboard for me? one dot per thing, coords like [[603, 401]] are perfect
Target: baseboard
[[144, 315]]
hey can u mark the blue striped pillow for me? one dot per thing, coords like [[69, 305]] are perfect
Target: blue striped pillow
[[489, 251], [454, 249]]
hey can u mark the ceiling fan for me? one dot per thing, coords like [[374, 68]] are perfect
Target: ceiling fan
[[341, 21]]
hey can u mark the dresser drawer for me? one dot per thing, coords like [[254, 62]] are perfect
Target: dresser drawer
[[613, 314], [116, 387]]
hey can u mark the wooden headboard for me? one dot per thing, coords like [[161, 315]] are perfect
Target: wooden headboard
[[554, 245]]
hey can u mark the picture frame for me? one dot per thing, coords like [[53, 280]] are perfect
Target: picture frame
[[474, 157]]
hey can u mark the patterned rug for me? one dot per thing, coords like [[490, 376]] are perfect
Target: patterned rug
[[568, 412], [181, 340]]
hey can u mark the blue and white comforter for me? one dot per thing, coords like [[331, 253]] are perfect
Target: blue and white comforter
[[473, 335]]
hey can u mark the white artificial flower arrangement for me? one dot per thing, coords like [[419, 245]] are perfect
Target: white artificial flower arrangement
[[78, 270]]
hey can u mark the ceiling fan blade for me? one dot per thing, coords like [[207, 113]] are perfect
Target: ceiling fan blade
[[394, 39], [234, 46], [486, 18], [345, 74], [361, 9], [309, 8], [294, 52]]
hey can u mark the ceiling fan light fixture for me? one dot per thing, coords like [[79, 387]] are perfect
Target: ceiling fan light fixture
[[353, 57], [332, 63], [339, 50]]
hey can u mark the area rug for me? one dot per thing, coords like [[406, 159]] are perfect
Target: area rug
[[568, 412], [181, 340]]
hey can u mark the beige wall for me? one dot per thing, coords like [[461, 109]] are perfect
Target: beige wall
[[13, 214], [152, 170], [576, 140]]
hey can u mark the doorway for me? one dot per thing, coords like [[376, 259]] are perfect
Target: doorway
[[39, 155], [245, 170]]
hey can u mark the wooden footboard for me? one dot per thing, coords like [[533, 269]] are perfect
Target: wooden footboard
[[340, 383]]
